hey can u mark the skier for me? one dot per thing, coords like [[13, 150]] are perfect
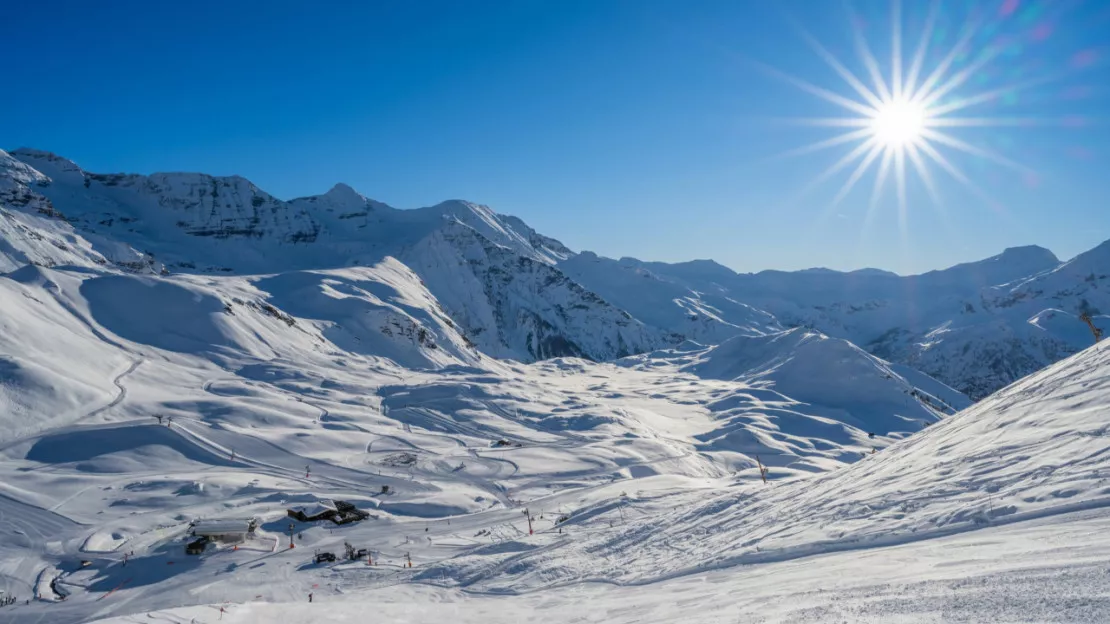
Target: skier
[[310, 596], [159, 417]]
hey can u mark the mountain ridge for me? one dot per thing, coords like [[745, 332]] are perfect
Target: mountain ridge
[[996, 308]]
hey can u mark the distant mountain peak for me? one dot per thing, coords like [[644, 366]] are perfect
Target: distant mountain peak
[[30, 152], [344, 194], [49, 163], [1026, 252]]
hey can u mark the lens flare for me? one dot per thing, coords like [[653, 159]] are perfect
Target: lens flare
[[901, 121]]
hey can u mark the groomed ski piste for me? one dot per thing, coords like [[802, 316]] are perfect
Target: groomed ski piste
[[136, 405]]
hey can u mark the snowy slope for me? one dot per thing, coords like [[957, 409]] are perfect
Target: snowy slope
[[799, 401], [33, 231], [1046, 570], [995, 514], [303, 385], [493, 273], [809, 366], [666, 302], [1036, 449], [518, 307]]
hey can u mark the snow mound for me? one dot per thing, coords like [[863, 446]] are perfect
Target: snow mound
[[383, 311]]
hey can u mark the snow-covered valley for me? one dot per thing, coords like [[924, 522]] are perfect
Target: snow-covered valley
[[536, 430]]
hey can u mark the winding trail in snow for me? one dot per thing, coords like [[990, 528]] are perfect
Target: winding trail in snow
[[121, 395]]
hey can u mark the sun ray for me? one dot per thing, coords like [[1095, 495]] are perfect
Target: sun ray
[[902, 120], [926, 176], [900, 185], [959, 77], [987, 96], [924, 173], [942, 68], [828, 122], [869, 61], [896, 50], [864, 165], [839, 68], [824, 94], [877, 188], [959, 176], [922, 47], [987, 122], [833, 169], [841, 139], [950, 141]]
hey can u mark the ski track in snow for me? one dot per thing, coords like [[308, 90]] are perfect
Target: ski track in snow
[[121, 395]]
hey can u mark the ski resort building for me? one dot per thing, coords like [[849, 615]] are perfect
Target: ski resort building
[[225, 530], [339, 512], [311, 512]]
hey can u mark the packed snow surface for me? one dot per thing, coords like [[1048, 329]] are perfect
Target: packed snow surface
[[1046, 570]]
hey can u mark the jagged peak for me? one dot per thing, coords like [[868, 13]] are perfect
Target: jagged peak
[[345, 194]]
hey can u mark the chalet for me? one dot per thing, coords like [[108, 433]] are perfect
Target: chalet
[[346, 512], [339, 512], [320, 510]]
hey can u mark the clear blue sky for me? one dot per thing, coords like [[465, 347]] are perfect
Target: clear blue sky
[[633, 127]]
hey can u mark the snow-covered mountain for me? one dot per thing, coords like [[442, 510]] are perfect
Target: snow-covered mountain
[[976, 326], [492, 274], [515, 293], [708, 316], [177, 347]]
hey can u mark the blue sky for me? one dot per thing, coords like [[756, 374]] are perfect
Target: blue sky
[[642, 128]]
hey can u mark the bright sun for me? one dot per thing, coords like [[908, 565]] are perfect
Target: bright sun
[[905, 119], [898, 123]]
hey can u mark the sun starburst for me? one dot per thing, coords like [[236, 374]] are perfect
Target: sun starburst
[[903, 119]]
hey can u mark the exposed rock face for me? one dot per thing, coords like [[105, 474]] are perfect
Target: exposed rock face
[[517, 306]]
